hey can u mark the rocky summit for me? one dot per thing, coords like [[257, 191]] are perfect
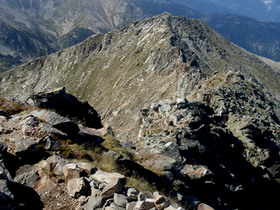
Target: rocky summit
[[185, 112]]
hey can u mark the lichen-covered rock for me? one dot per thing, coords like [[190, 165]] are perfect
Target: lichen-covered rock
[[49, 143]]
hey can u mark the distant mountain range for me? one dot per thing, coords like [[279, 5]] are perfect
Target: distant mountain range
[[30, 29], [266, 10]]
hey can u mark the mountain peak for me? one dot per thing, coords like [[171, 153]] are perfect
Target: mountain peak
[[127, 69]]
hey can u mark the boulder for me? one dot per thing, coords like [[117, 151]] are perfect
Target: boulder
[[145, 204], [132, 194], [93, 203], [204, 206], [120, 200], [102, 176], [88, 168], [49, 143], [130, 205], [61, 123], [161, 202], [71, 171], [77, 187], [113, 206], [90, 136], [27, 175], [53, 164], [143, 195], [25, 148], [113, 187], [69, 106], [197, 174]]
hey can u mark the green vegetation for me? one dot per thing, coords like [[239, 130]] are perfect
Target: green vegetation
[[140, 184], [13, 106]]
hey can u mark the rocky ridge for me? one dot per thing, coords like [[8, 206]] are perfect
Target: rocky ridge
[[125, 70], [32, 160]]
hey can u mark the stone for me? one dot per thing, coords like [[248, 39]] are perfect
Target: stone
[[88, 168], [113, 206], [68, 106], [132, 194], [45, 185], [161, 202], [27, 175], [71, 171], [61, 123], [143, 195], [53, 164], [199, 173], [106, 177], [4, 184], [113, 187], [93, 203], [170, 149], [25, 148], [145, 204], [78, 187], [49, 143], [204, 206], [130, 205], [90, 136], [120, 200], [95, 192]]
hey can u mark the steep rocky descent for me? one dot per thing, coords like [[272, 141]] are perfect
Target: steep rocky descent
[[35, 174], [224, 138], [124, 70]]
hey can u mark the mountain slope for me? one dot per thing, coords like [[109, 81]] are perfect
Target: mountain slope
[[125, 70], [261, 38], [52, 25], [257, 9]]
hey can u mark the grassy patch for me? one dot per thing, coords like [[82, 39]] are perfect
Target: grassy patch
[[14, 107], [140, 184], [113, 144]]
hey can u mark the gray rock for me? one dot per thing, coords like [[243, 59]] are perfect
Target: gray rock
[[90, 136], [49, 143], [71, 171], [27, 175], [93, 203], [4, 185], [25, 148], [87, 168], [132, 194], [120, 200], [161, 202], [111, 188], [95, 192], [54, 164], [48, 129], [78, 187], [145, 204], [130, 205], [143, 195], [61, 123], [113, 206], [199, 173], [69, 106], [106, 177]]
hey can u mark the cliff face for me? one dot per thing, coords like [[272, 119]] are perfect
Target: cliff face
[[127, 69]]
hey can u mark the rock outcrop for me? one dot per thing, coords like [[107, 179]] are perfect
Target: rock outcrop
[[224, 142]]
